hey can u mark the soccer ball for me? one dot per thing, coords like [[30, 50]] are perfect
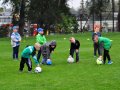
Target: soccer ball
[[99, 61], [38, 69], [48, 62], [70, 59]]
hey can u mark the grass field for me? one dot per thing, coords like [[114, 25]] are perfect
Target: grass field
[[62, 76]]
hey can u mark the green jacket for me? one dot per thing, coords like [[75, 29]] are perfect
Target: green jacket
[[40, 39], [106, 42], [30, 51]]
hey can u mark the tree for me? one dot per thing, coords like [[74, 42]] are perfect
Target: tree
[[47, 11], [97, 7], [15, 7], [42, 12]]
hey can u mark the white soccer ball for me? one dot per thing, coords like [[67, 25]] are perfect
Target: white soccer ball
[[70, 59], [38, 69], [99, 61]]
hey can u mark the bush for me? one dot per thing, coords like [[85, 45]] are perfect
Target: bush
[[4, 30]]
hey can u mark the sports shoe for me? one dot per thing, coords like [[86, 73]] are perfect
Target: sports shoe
[[95, 56], [110, 62], [20, 71], [30, 72]]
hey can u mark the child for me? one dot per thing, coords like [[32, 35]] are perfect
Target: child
[[15, 42], [40, 38], [25, 57], [75, 45], [96, 45], [104, 45], [46, 51]]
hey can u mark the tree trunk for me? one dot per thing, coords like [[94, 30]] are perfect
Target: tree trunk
[[100, 14], [93, 15], [59, 3], [81, 23], [100, 21], [119, 18], [113, 14], [22, 17]]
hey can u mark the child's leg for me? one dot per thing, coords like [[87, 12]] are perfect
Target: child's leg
[[98, 49], [17, 51], [108, 55], [104, 56], [29, 64], [39, 55], [95, 49], [44, 60], [77, 56], [22, 62], [14, 52]]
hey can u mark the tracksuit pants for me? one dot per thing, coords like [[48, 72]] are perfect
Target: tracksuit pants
[[15, 52], [106, 55], [77, 54], [28, 63]]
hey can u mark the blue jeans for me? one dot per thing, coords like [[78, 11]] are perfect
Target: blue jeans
[[72, 54]]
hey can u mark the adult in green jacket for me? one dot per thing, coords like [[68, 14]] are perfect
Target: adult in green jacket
[[25, 56], [40, 38], [104, 45]]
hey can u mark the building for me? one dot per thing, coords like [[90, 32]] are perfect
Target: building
[[5, 16]]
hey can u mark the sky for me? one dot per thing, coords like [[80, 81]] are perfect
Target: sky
[[1, 5], [72, 3]]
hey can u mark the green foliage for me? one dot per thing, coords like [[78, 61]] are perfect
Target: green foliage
[[4, 30], [99, 6], [68, 23], [1, 10], [42, 12], [47, 11]]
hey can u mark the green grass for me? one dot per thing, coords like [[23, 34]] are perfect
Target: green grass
[[62, 76]]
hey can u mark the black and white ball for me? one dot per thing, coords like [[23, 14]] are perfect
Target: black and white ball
[[70, 59], [38, 69]]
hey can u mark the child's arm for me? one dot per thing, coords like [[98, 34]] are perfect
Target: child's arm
[[13, 38], [35, 60], [78, 45], [45, 40], [41, 39], [37, 39], [71, 49], [20, 37]]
